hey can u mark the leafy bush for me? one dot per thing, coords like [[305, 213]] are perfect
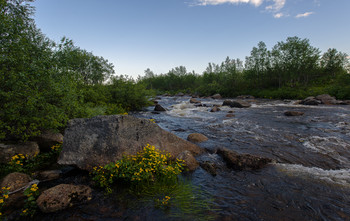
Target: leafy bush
[[148, 165]]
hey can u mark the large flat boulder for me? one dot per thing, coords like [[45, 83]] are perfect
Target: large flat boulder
[[104, 139]]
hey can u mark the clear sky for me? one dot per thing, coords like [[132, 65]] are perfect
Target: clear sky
[[161, 34]]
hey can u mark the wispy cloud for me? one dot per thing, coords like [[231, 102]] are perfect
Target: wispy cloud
[[256, 3], [306, 14], [277, 6], [278, 15]]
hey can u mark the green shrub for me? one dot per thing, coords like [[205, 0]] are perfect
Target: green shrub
[[148, 165]]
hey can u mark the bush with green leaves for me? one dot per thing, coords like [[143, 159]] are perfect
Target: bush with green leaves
[[147, 166]]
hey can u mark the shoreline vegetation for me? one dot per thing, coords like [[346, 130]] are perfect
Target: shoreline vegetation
[[43, 84]]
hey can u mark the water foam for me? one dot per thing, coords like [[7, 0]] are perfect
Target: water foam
[[340, 177]]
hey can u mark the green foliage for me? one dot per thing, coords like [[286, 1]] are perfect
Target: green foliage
[[30, 206], [44, 84], [147, 166], [4, 195]]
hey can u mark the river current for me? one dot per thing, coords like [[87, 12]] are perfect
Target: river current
[[309, 178]]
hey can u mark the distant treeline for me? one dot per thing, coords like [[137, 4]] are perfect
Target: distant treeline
[[291, 69], [43, 84]]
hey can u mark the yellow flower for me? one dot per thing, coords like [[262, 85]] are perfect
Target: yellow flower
[[24, 211], [6, 196], [1, 200]]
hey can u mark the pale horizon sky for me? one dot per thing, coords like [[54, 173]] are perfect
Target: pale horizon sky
[[162, 34]]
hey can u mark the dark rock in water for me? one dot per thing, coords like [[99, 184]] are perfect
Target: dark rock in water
[[155, 112], [194, 101], [239, 104], [7, 151], [180, 94], [230, 112], [199, 105], [310, 101], [189, 159], [327, 99], [197, 138], [245, 97], [216, 96], [210, 167], [293, 113], [62, 197], [47, 139], [227, 103], [230, 115], [158, 107], [155, 102], [242, 161], [103, 139], [215, 109], [180, 130]]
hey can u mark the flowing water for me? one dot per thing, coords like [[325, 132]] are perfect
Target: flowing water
[[308, 180], [310, 176]]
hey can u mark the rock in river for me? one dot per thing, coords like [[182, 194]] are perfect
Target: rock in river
[[242, 161], [293, 113], [104, 139]]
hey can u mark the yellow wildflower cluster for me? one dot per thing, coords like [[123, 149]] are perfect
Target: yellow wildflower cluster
[[30, 206], [4, 194], [152, 120], [148, 165], [17, 160], [57, 147]]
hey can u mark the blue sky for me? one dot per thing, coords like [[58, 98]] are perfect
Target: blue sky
[[161, 34]]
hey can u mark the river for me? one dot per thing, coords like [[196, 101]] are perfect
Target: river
[[309, 178]]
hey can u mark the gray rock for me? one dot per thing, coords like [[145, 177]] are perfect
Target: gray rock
[[62, 197], [310, 101], [158, 107], [242, 161], [191, 162], [216, 96], [327, 99], [215, 109], [9, 150], [104, 139], [197, 138]]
